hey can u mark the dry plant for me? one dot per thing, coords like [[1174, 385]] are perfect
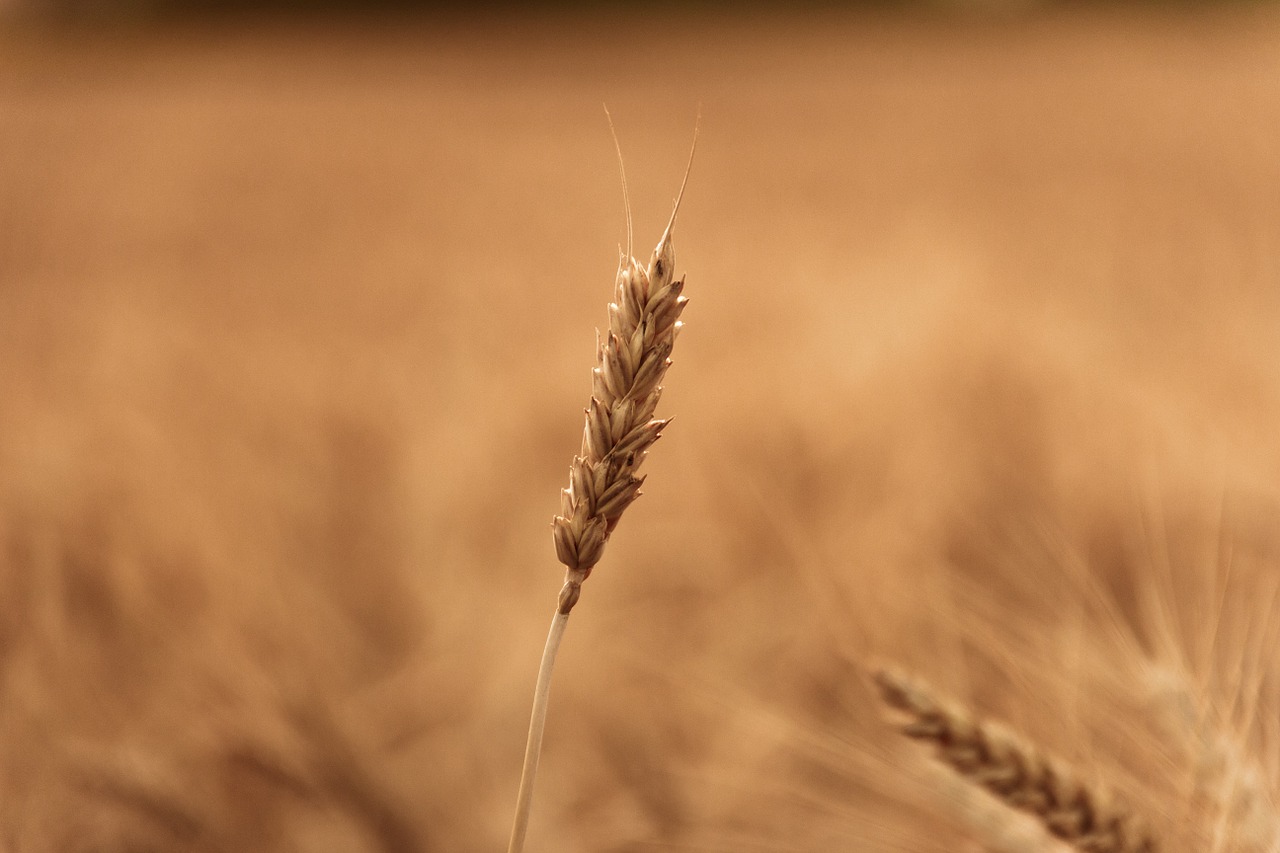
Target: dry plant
[[1084, 816], [631, 360]]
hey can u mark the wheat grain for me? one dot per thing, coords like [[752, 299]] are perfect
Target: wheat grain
[[631, 359], [1085, 817]]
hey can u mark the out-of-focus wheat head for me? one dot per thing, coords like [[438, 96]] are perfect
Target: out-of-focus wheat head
[[1085, 817], [631, 359], [1145, 719]]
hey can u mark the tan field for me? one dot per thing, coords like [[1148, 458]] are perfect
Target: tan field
[[980, 379]]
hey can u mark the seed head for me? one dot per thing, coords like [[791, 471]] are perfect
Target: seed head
[[632, 358]]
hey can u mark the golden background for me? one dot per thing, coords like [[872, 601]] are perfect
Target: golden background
[[296, 328]]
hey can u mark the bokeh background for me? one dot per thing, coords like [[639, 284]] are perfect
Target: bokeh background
[[297, 318]]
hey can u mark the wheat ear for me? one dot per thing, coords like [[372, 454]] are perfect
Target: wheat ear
[[631, 360], [1015, 772]]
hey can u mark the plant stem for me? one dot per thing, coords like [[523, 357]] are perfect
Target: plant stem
[[537, 722]]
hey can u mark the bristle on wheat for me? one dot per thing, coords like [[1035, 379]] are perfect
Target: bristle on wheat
[[1016, 773]]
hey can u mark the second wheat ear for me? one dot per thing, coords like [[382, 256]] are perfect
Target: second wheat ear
[[1084, 816], [632, 357]]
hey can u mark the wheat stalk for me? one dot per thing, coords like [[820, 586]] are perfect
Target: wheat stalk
[[1016, 773], [631, 360]]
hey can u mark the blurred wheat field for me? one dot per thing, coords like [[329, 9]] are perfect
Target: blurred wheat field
[[980, 377]]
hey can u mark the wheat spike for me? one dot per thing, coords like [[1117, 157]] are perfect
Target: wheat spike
[[1016, 773], [631, 359]]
